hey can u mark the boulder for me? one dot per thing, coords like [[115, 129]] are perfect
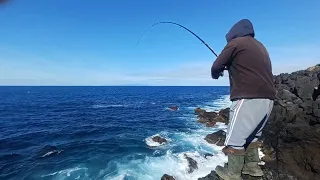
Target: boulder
[[198, 111], [205, 117], [224, 113], [210, 124], [167, 177], [208, 155], [217, 138], [173, 108], [159, 139], [212, 117], [192, 164]]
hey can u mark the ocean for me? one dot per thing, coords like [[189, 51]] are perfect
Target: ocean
[[98, 133]]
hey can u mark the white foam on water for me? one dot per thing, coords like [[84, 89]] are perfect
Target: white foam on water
[[216, 105], [261, 155], [52, 152], [169, 109], [222, 126], [174, 164], [66, 173], [120, 177], [108, 106]]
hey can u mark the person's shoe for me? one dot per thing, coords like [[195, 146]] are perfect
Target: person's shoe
[[233, 170], [251, 160]]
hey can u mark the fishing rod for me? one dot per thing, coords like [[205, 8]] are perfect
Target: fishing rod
[[183, 28]]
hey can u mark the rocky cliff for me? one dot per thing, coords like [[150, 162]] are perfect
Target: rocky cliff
[[291, 138], [293, 132]]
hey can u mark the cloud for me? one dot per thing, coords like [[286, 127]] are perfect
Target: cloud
[[17, 68]]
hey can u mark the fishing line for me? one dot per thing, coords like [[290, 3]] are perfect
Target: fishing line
[[181, 26]]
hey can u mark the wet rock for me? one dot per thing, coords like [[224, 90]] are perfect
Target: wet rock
[[173, 108], [205, 117], [159, 139], [210, 124], [225, 113], [192, 164], [208, 155], [217, 138], [211, 117], [198, 111], [167, 177]]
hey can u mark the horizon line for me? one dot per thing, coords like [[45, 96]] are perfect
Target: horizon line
[[114, 86]]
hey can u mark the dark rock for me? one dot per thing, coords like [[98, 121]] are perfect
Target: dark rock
[[198, 111], [210, 117], [212, 176], [307, 106], [167, 177], [205, 117], [159, 139], [269, 174], [304, 87], [292, 134], [316, 109], [217, 138], [174, 108], [316, 92], [192, 164], [224, 113], [208, 155], [286, 95], [298, 101], [210, 124]]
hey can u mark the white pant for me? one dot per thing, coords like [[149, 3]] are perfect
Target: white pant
[[246, 120]]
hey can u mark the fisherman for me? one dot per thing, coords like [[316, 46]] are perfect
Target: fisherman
[[252, 92]]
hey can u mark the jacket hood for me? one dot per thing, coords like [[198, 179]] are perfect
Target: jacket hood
[[242, 28]]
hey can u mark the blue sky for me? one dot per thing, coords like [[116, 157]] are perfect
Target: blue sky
[[76, 42]]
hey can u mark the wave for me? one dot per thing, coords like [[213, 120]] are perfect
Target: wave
[[74, 173], [108, 106], [171, 163], [52, 152], [216, 105], [169, 159]]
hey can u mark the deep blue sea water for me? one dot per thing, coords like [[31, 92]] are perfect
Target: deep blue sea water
[[104, 132]]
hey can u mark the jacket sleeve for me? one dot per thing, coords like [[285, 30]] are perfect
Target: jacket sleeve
[[223, 60]]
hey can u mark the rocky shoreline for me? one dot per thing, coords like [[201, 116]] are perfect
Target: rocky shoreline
[[291, 138]]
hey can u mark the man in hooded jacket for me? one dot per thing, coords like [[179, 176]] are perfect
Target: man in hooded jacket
[[252, 93]]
